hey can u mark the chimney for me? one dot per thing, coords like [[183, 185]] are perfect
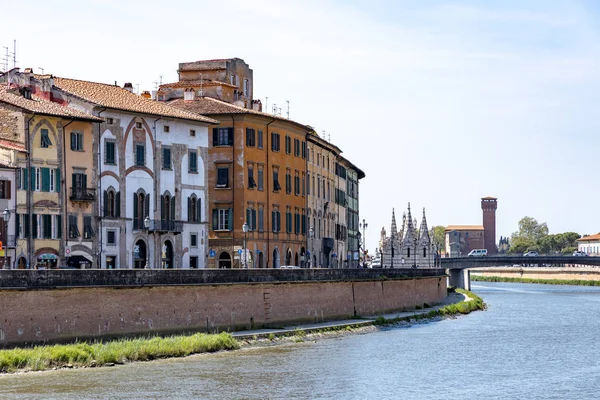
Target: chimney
[[128, 86], [257, 105], [189, 94], [28, 71], [146, 94]]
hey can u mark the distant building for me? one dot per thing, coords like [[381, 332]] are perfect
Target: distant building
[[408, 247], [589, 244], [461, 239]]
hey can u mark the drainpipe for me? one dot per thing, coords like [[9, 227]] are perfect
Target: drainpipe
[[64, 176], [233, 191], [269, 231], [99, 195], [29, 194]]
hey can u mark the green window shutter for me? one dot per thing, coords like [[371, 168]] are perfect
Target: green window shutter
[[199, 210], [59, 228], [249, 218], [215, 137], [84, 181], [34, 226], [47, 226], [173, 201], [163, 213], [189, 210], [45, 179], [118, 204], [73, 180], [32, 171], [25, 183], [105, 203], [17, 223], [273, 221], [27, 226], [146, 206], [135, 206], [278, 221], [230, 136], [215, 218], [57, 175], [253, 219], [230, 218]]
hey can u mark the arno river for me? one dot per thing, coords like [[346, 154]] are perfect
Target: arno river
[[534, 342]]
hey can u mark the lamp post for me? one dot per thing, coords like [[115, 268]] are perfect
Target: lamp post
[[147, 227], [6, 216], [363, 226], [245, 230], [358, 236], [311, 235]]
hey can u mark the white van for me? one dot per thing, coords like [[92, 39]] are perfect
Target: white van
[[478, 253]]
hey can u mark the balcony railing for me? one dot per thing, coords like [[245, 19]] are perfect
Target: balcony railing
[[10, 241], [158, 225], [83, 194]]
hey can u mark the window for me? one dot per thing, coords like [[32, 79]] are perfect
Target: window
[[288, 182], [77, 141], [167, 210], [276, 221], [288, 145], [232, 79], [140, 155], [37, 179], [193, 240], [109, 152], [73, 229], [166, 129], [260, 139], [112, 206], [222, 219], [304, 150], [141, 209], [246, 87], [194, 262], [276, 186], [193, 161], [138, 125], [192, 132], [250, 137], [251, 182], [275, 141], [4, 189], [261, 219], [57, 227], [288, 221], [297, 223], [260, 178], [166, 158], [251, 219], [297, 185], [318, 186], [111, 237], [110, 121], [79, 181], [45, 139], [223, 177], [222, 137], [297, 147], [88, 231], [303, 185], [194, 209]]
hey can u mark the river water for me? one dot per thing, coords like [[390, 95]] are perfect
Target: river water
[[533, 342]]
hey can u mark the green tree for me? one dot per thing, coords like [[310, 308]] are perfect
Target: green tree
[[529, 236], [439, 236]]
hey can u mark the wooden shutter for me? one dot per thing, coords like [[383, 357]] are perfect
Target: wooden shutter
[[17, 223], [215, 219], [146, 206], [34, 226], [8, 193], [73, 141], [26, 225], [162, 208], [47, 220], [230, 136], [215, 137], [25, 183], [135, 207], [118, 204], [230, 218], [59, 228], [106, 203], [189, 212], [199, 210], [249, 218], [173, 200], [32, 170], [273, 220], [253, 219], [278, 221], [57, 175]]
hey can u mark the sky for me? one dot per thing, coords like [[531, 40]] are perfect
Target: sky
[[440, 103]]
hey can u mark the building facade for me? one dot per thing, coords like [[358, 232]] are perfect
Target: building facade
[[461, 239], [354, 242], [589, 245]]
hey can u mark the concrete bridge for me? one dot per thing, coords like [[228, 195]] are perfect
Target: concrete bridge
[[458, 267]]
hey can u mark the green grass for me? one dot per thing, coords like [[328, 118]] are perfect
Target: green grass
[[464, 307], [119, 351], [578, 282]]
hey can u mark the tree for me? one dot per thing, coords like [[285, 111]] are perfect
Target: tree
[[439, 236], [529, 236]]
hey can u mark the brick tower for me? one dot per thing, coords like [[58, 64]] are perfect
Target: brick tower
[[489, 206]]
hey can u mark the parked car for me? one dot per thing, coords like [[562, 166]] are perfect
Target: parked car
[[580, 254], [531, 253], [376, 263], [478, 253], [289, 267]]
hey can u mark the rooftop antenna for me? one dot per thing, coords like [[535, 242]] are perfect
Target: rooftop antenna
[[323, 133], [14, 54], [5, 60], [42, 70], [274, 109], [267, 103], [288, 109], [158, 83], [279, 111]]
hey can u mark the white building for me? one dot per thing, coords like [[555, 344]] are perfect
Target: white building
[[589, 244], [152, 186]]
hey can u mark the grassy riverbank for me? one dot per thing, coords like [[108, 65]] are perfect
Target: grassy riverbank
[[465, 307], [579, 282], [109, 353]]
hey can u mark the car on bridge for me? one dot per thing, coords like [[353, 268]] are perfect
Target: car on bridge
[[580, 254], [531, 253], [478, 253]]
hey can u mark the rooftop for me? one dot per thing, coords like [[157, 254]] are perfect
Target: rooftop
[[590, 238], [7, 144], [210, 106], [115, 97], [195, 83], [464, 228], [39, 105]]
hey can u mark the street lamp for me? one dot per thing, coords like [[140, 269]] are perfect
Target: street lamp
[[245, 230], [363, 226], [6, 216], [311, 234], [358, 236], [147, 227]]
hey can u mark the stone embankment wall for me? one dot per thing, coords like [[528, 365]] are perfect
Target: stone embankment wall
[[52, 306], [571, 273]]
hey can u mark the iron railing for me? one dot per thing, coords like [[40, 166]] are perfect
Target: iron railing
[[83, 194]]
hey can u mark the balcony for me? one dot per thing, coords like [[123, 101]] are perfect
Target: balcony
[[10, 242], [159, 226], [82, 194]]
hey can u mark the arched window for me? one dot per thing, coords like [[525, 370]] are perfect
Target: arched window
[[141, 208], [194, 209], [112, 203], [167, 209]]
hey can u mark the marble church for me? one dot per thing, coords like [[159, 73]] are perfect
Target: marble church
[[408, 248]]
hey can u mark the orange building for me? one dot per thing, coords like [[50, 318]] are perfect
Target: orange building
[[256, 174]]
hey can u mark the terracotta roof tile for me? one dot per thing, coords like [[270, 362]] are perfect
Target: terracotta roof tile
[[204, 65], [42, 106], [7, 144], [210, 106], [464, 228], [184, 84], [591, 238], [117, 98]]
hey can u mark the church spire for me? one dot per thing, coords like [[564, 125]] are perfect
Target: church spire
[[394, 230], [423, 229]]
